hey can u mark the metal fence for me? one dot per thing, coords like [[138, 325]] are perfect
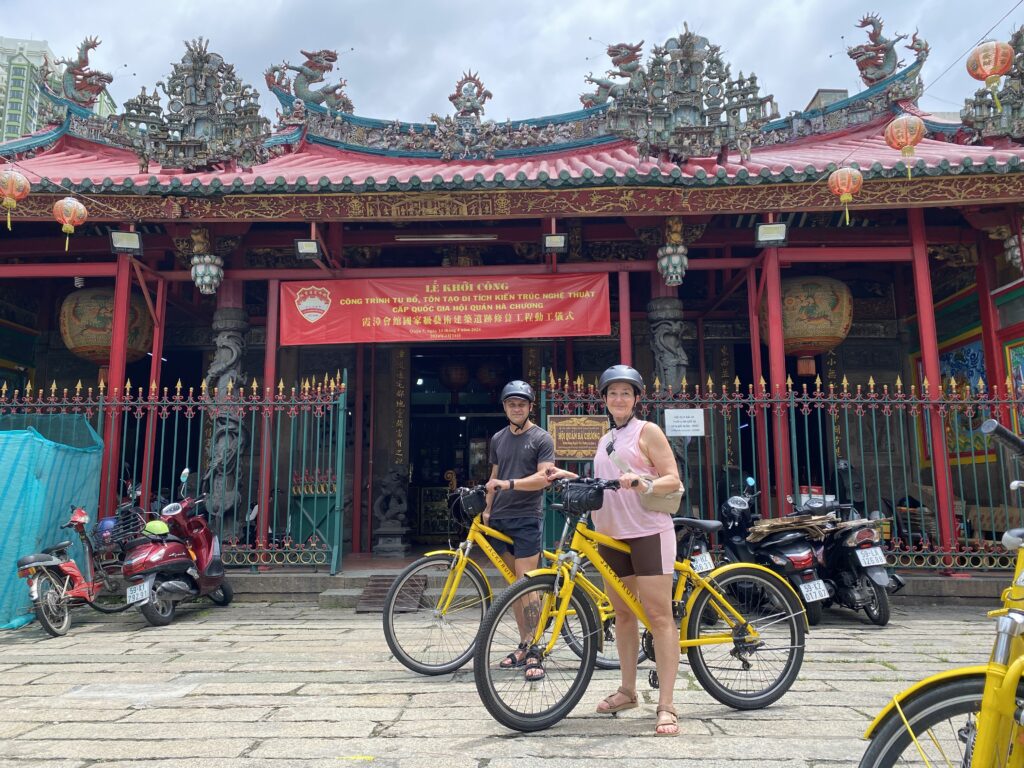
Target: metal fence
[[869, 444], [271, 463]]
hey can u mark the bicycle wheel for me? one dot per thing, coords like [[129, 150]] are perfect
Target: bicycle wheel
[[425, 638], [942, 717], [51, 606], [742, 673], [512, 699]]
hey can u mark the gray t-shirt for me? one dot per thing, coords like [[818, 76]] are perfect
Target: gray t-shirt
[[518, 456]]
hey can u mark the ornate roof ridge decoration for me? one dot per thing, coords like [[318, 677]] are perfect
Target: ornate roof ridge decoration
[[979, 111], [212, 121], [877, 59], [79, 84], [464, 136]]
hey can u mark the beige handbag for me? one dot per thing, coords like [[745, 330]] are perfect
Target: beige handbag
[[656, 502]]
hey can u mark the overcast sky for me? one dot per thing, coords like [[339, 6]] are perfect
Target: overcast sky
[[532, 55]]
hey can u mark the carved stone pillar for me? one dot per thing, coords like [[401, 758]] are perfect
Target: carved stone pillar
[[665, 316], [230, 436]]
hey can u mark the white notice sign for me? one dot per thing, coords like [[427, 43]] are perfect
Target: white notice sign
[[684, 422]]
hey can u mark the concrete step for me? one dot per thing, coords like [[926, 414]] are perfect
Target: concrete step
[[339, 598]]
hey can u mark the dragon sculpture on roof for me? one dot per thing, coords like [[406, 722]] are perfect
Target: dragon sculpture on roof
[[876, 59], [310, 72], [626, 60], [80, 84]]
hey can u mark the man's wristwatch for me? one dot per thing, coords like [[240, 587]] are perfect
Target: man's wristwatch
[[511, 485]]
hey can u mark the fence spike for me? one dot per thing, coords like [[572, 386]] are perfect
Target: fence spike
[[1009, 384], [53, 388], [102, 386], [551, 379], [280, 388], [202, 388], [871, 383], [736, 384], [789, 383], [952, 384], [817, 383], [177, 388], [899, 383], [191, 391], [924, 385], [762, 383], [657, 383], [230, 387], [78, 388], [152, 385], [128, 387], [3, 390], [711, 384], [682, 384], [981, 384], [255, 386]]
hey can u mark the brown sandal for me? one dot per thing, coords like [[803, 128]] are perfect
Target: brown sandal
[[610, 708], [664, 722]]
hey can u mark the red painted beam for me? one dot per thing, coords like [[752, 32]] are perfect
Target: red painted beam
[[625, 323], [777, 377], [843, 254], [266, 427], [58, 270]]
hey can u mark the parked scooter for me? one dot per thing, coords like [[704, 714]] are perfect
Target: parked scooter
[[851, 561], [789, 553], [176, 559], [55, 582]]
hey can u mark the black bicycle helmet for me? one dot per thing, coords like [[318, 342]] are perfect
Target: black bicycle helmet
[[621, 373], [518, 389]]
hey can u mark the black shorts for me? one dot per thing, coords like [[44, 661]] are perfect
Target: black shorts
[[652, 555], [525, 533]]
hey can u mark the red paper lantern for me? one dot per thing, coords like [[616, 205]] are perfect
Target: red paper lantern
[[14, 187], [844, 184], [904, 133], [988, 62], [69, 213]]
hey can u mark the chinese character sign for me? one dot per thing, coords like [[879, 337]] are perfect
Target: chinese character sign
[[463, 309]]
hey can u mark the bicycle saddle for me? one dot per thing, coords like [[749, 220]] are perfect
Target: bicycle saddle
[[1013, 539], [57, 547], [705, 526]]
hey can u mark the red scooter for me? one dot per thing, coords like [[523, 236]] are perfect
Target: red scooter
[[177, 558], [55, 583]]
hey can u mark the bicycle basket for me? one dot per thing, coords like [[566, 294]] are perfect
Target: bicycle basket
[[580, 498], [464, 505], [112, 532]]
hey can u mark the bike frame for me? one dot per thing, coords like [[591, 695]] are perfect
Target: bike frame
[[584, 545], [997, 719], [477, 537]]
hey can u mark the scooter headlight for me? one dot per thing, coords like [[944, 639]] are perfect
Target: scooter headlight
[[738, 502]]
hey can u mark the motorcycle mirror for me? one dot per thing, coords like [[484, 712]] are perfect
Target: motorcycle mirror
[[184, 475], [750, 482], [1016, 485]]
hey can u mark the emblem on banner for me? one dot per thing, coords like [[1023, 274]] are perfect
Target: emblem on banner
[[313, 302]]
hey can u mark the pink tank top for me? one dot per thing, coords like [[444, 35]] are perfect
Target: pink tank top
[[622, 516]]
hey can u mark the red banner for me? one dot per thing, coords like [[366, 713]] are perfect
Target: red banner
[[444, 309]]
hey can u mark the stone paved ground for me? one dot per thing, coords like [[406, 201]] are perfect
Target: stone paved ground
[[272, 685]]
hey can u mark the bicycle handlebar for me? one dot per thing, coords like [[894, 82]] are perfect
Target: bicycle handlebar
[[1003, 436], [604, 485]]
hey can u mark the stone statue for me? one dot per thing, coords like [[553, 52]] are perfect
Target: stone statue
[[391, 504], [230, 434], [80, 84], [670, 360], [876, 59]]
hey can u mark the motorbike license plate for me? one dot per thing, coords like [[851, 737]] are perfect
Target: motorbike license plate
[[138, 593], [872, 556], [702, 563], [813, 591]]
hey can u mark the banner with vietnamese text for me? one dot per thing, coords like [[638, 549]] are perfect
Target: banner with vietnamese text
[[444, 309]]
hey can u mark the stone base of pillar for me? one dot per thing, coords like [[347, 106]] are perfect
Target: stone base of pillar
[[391, 541]]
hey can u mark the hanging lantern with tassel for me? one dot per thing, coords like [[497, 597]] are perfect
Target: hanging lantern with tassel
[[989, 62], [904, 133], [14, 188], [844, 184], [69, 213]]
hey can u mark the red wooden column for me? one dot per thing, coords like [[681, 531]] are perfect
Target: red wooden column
[[777, 378], [625, 324], [357, 454], [111, 474], [156, 358], [930, 358], [763, 417], [267, 424], [995, 361]]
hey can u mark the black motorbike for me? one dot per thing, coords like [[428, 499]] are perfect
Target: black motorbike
[[789, 553], [851, 561]]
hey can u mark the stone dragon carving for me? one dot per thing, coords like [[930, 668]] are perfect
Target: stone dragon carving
[[230, 436], [309, 73], [79, 83], [876, 59], [626, 60]]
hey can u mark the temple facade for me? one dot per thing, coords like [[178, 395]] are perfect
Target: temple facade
[[317, 315]]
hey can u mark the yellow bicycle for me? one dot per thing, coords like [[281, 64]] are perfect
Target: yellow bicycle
[[972, 716], [742, 626], [434, 607]]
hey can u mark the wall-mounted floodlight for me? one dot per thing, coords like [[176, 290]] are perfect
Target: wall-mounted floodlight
[[126, 242], [556, 243], [307, 250], [771, 235]]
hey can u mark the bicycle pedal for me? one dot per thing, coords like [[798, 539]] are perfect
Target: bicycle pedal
[[652, 679]]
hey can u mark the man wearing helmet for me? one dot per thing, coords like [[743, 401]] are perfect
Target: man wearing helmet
[[521, 455], [634, 451]]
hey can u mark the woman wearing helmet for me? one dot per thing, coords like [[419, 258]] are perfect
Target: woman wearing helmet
[[521, 455], [647, 571]]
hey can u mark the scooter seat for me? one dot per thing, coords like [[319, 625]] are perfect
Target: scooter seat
[[781, 538], [705, 526], [57, 547], [38, 559]]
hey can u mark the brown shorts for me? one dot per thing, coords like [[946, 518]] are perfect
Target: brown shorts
[[653, 555]]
